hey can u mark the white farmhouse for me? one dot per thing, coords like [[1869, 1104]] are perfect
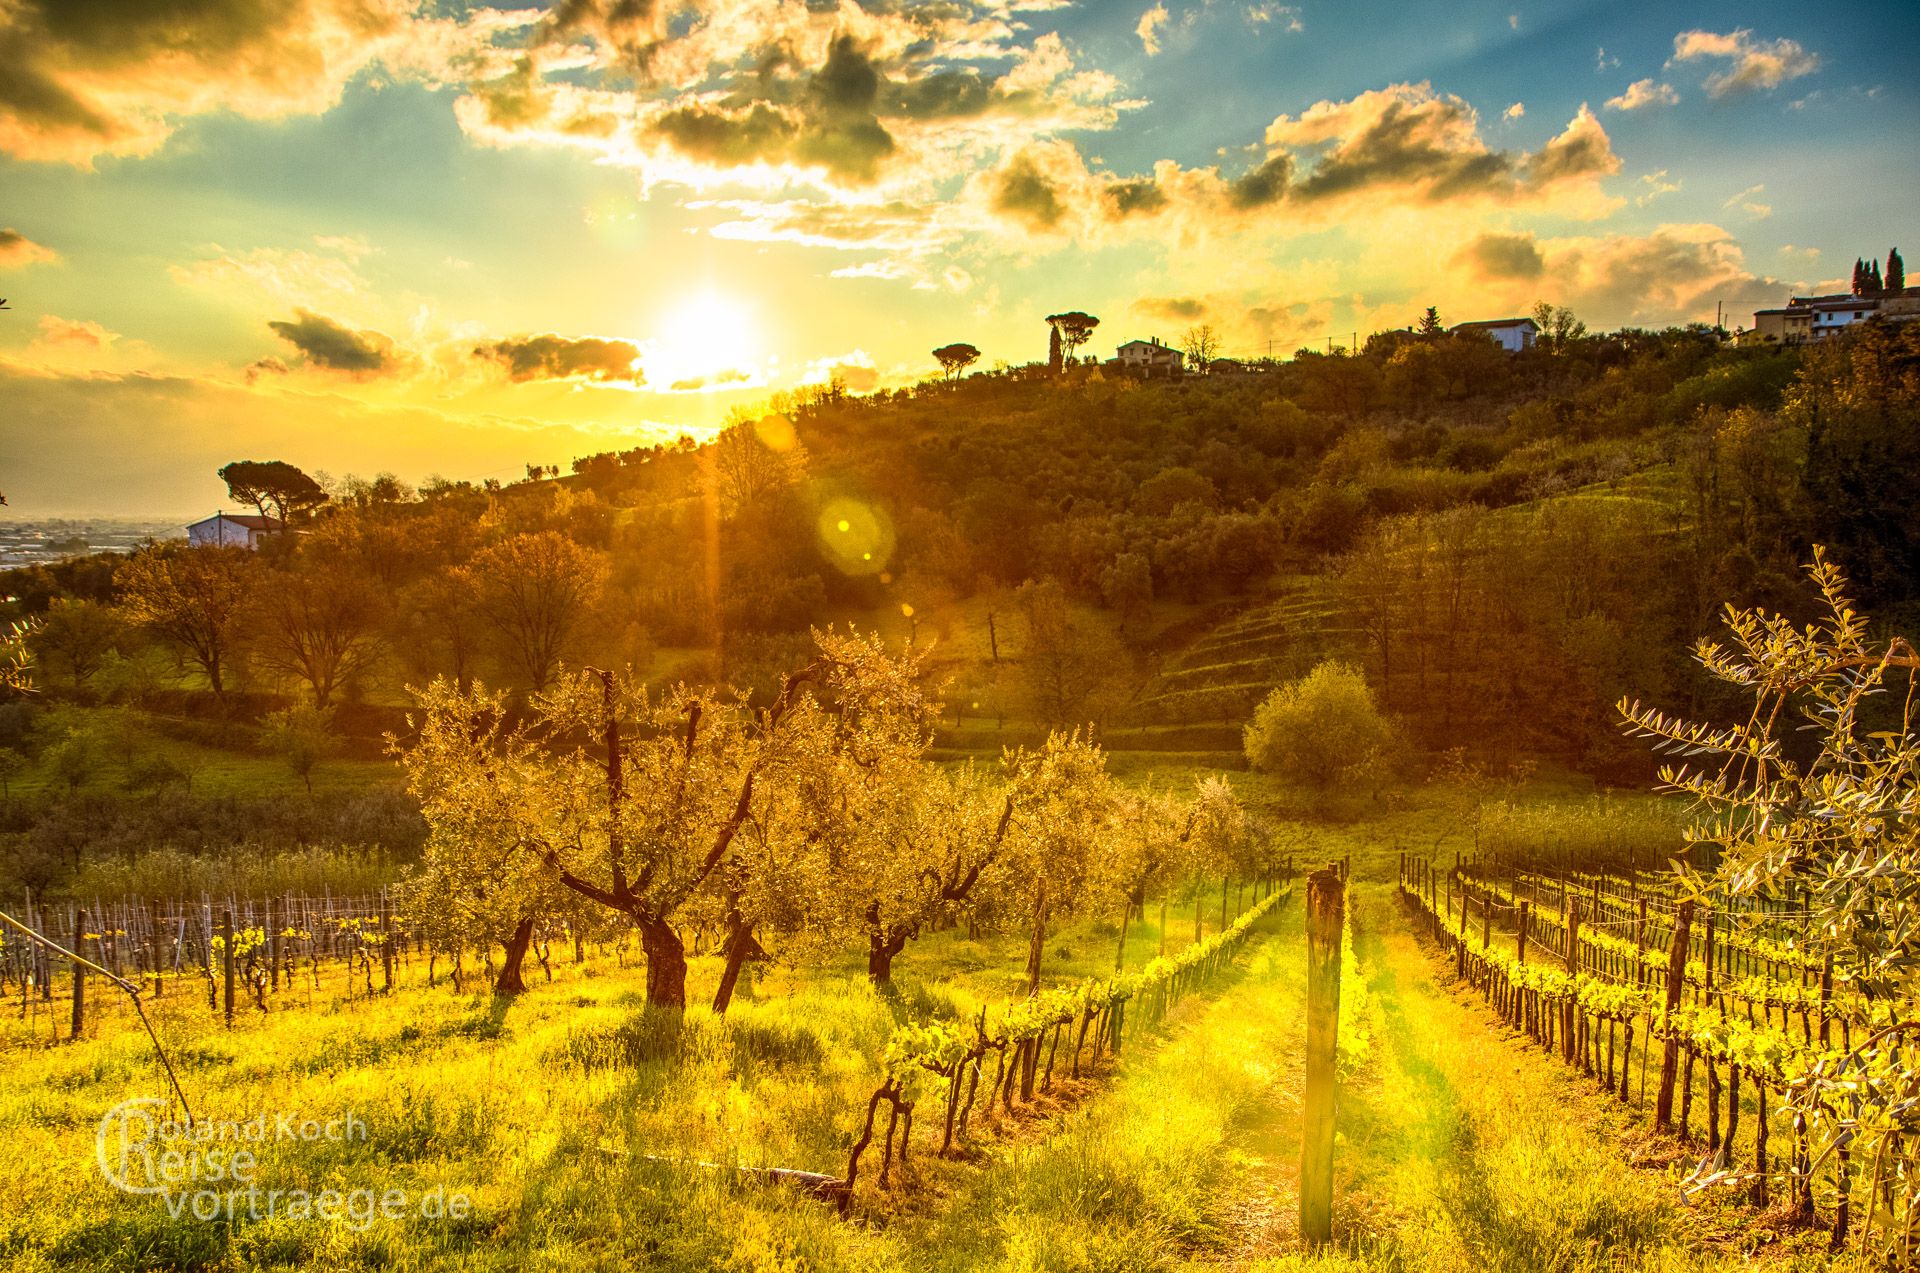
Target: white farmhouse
[[1150, 357], [1809, 318], [1511, 334], [232, 530]]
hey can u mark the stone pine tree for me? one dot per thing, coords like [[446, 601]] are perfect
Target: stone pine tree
[[1896, 281], [956, 358], [275, 487], [1070, 331]]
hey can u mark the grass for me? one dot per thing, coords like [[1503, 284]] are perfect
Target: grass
[[570, 1117]]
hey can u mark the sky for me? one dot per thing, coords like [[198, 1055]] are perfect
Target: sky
[[438, 238]]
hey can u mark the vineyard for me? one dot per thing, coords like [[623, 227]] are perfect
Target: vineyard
[[1017, 1016], [183, 947], [1718, 997]]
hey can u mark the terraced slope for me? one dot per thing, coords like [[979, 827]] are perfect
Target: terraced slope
[[1228, 668]]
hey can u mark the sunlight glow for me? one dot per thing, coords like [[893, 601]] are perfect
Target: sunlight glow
[[709, 340]]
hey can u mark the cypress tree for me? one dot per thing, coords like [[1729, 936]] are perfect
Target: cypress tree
[[1896, 273], [1859, 277], [1874, 284]]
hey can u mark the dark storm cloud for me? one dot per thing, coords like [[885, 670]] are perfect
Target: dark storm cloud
[[943, 95], [1026, 194], [1136, 195], [826, 119], [83, 78], [1504, 256], [700, 132], [1264, 185], [335, 346], [551, 357]]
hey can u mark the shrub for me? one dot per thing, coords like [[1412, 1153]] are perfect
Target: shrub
[[1323, 728]]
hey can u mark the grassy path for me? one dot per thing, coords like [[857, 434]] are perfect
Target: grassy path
[[1460, 1149], [1133, 1177]]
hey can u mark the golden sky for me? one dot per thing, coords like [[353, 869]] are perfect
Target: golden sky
[[366, 235]]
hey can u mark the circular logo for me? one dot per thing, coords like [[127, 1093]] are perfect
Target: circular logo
[[130, 1139]]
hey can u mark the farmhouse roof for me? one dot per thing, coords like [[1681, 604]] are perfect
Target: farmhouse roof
[[251, 521], [1487, 323]]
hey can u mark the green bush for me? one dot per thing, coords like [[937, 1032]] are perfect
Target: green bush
[[1321, 729]]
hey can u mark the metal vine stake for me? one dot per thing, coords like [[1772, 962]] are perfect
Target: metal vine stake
[[133, 995]]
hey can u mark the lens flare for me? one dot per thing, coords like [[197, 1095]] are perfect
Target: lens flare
[[776, 433], [856, 537]]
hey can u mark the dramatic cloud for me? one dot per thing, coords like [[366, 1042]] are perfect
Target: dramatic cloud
[[1757, 64], [113, 77], [1503, 256], [561, 358], [1677, 272], [1402, 147], [1643, 93], [842, 100], [17, 250], [1418, 144], [335, 347], [1024, 192], [1148, 30]]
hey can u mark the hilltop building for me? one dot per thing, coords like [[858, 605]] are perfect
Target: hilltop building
[[1511, 334], [1149, 358], [1809, 318], [232, 530]]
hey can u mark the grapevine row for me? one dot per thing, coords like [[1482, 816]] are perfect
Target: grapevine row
[[1575, 1004], [952, 1056]]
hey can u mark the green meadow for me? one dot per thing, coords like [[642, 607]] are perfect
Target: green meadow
[[582, 1131]]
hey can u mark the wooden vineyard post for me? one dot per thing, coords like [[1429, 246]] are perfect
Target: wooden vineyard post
[[386, 943], [1568, 1023], [154, 958], [1640, 942], [79, 977], [1326, 918], [1520, 938], [1676, 980], [226, 964], [273, 948]]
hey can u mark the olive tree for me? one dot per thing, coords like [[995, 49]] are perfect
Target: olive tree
[[1816, 792], [656, 807], [917, 853], [1062, 799]]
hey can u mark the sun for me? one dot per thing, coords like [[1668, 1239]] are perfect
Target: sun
[[708, 339]]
